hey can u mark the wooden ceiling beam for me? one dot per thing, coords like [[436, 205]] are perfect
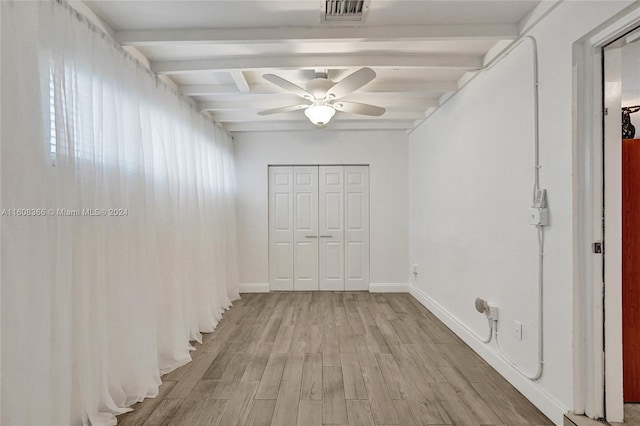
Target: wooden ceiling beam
[[318, 34], [305, 125], [240, 81], [413, 87], [241, 117], [399, 104], [381, 60]]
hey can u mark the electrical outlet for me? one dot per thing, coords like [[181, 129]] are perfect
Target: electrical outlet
[[517, 330], [493, 313]]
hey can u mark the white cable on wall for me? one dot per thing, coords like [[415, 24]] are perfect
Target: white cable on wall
[[540, 229]]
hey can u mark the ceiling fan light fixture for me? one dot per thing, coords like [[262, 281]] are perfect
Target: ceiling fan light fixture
[[319, 114]]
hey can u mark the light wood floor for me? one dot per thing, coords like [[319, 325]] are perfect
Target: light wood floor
[[343, 358]]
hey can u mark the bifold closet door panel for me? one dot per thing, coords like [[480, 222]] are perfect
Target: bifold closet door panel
[[356, 227], [281, 222], [331, 227], [305, 231]]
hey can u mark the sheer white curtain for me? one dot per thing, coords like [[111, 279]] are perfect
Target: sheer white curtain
[[97, 303]]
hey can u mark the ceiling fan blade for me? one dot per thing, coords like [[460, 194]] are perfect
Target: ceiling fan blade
[[283, 109], [288, 86], [356, 108], [351, 83]]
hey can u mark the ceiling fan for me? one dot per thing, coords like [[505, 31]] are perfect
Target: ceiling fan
[[323, 96]]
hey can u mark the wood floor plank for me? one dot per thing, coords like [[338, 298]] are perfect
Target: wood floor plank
[[231, 377], [469, 395], [365, 315], [310, 413], [164, 412], [293, 368], [426, 414], [312, 377], [437, 332], [422, 360], [345, 334], [366, 357], [237, 409], [283, 339], [330, 340], [198, 408], [404, 333], [260, 412], [331, 359], [422, 398], [386, 309], [286, 409], [315, 338], [355, 321], [315, 311], [183, 388], [334, 404], [458, 411], [257, 363], [219, 365], [354, 387], [300, 341], [501, 405], [271, 330], [389, 334], [340, 315], [382, 406], [359, 413], [403, 410], [392, 376], [377, 341], [270, 382]]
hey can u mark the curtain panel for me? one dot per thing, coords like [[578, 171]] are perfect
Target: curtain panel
[[118, 222]]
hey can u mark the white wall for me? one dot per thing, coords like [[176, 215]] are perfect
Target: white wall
[[471, 179], [386, 154]]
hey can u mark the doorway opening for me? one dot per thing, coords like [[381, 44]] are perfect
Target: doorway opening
[[621, 260], [598, 236]]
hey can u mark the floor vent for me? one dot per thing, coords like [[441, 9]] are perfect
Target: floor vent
[[344, 10]]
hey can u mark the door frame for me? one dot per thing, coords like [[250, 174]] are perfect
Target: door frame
[[597, 303], [312, 165]]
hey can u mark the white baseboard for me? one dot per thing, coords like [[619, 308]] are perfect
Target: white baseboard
[[388, 287], [373, 287], [538, 396], [253, 288]]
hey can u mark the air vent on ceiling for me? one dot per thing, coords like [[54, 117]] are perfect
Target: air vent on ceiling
[[344, 10]]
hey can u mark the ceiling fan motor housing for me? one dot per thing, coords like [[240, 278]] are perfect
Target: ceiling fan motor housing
[[318, 87]]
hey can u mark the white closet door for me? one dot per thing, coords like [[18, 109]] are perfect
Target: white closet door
[[331, 227], [305, 231], [281, 228], [356, 227]]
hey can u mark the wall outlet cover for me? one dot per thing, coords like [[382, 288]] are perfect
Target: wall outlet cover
[[517, 330]]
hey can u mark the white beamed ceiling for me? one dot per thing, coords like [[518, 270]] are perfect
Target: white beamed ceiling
[[217, 51]]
